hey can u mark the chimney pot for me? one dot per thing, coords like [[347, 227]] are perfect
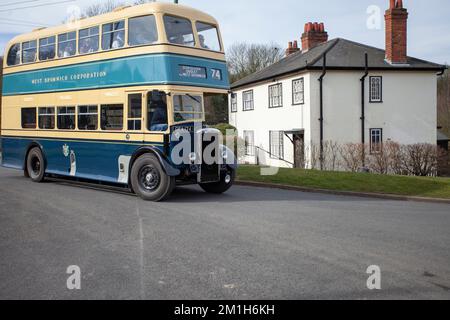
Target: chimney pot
[[314, 35]]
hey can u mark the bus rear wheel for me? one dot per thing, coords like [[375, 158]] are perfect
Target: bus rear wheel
[[225, 183], [35, 165], [149, 181]]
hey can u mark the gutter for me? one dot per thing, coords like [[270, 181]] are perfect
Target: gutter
[[322, 76], [363, 108]]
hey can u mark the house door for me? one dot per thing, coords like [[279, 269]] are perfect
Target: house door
[[299, 151]]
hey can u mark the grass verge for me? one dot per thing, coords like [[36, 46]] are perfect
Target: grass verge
[[357, 182]]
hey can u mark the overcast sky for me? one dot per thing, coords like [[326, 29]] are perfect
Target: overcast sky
[[275, 21]]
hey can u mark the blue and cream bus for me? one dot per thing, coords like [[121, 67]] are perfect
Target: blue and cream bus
[[105, 99]]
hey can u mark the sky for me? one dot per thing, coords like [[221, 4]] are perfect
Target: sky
[[277, 22]]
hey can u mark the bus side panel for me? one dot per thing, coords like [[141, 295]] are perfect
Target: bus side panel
[[95, 160], [13, 152]]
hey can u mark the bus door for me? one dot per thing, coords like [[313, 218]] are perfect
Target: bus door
[[135, 116]]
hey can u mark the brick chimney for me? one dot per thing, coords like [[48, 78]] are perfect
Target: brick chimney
[[292, 48], [314, 35], [396, 33]]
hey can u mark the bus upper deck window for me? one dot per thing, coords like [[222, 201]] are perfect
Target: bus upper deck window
[[67, 44], [88, 40], [47, 48], [179, 31], [142, 30], [14, 55], [208, 36], [113, 35], [29, 51]]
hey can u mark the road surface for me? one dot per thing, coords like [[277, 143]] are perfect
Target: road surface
[[250, 243]]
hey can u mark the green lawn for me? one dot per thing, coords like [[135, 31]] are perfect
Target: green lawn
[[359, 182]]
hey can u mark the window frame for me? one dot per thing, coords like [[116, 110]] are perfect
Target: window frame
[[302, 79], [280, 145], [234, 105], [128, 30], [252, 145], [87, 114], [67, 41], [125, 34], [371, 99], [20, 54], [74, 114], [108, 105], [47, 45], [219, 40], [372, 146], [192, 27], [23, 51], [134, 119], [39, 115], [22, 117], [281, 95], [79, 38], [252, 100]]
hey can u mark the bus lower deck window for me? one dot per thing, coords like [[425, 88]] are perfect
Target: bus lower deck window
[[66, 118], [28, 118], [112, 117], [134, 111], [88, 117], [46, 118]]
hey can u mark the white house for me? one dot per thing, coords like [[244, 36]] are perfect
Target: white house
[[339, 91]]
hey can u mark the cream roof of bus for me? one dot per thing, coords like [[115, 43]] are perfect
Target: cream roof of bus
[[155, 7]]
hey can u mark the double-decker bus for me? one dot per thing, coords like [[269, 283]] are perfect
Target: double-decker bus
[[106, 98]]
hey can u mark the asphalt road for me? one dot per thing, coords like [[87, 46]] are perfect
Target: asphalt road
[[247, 244]]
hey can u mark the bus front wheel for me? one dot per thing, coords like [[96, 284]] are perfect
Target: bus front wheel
[[225, 183], [148, 179], [35, 165]]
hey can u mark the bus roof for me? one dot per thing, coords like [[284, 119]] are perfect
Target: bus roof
[[119, 13]]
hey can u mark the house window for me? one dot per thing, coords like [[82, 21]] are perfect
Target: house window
[[276, 144], [376, 140], [233, 102], [247, 98], [249, 138], [376, 89], [276, 96], [298, 91]]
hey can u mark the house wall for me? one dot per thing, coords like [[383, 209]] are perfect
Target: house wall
[[264, 119], [407, 115]]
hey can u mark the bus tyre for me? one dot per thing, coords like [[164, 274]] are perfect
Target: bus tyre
[[36, 165], [148, 179], [225, 183]]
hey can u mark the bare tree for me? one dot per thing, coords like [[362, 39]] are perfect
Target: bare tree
[[108, 6], [351, 154], [331, 151], [245, 59], [421, 159]]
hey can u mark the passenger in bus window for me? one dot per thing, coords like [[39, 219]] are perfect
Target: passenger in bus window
[[68, 50], [202, 41], [118, 41]]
